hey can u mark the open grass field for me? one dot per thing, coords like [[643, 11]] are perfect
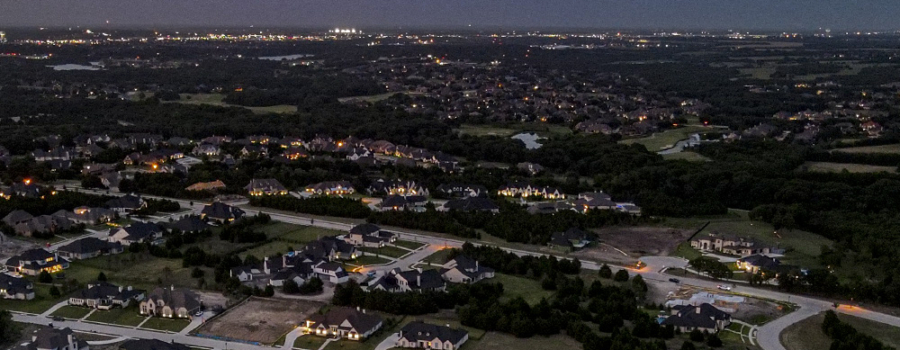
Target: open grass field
[[409, 244], [894, 148], [514, 286], [309, 341], [369, 98], [166, 324], [841, 167], [665, 139], [393, 252], [127, 317], [42, 301], [216, 100], [71, 312], [269, 249], [808, 335], [495, 340], [304, 234], [260, 320], [438, 258], [368, 260]]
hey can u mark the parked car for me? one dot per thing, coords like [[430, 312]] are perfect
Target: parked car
[[674, 280], [58, 318], [723, 287], [198, 313], [370, 273]]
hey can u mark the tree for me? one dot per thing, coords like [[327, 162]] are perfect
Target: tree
[[54, 292], [605, 271], [290, 287], [696, 335], [639, 286], [45, 277], [197, 273], [714, 341], [269, 291], [9, 330], [101, 277], [621, 276], [688, 346]]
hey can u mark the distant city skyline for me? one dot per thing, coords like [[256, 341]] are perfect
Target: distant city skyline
[[631, 14]]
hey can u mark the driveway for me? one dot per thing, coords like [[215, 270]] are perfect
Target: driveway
[[389, 342]]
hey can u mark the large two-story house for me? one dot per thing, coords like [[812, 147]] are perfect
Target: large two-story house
[[704, 317], [105, 296], [463, 269], [331, 188], [34, 261], [265, 187], [126, 204], [732, 245], [50, 338], [397, 187], [170, 303], [369, 235], [221, 212], [397, 281]]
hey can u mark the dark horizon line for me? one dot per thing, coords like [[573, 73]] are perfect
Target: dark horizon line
[[441, 28]]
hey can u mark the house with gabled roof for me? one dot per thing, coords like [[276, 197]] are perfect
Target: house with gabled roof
[[50, 338], [331, 188], [463, 269], [704, 317], [136, 233], [573, 238], [126, 204], [221, 212], [398, 281], [105, 296], [265, 187], [421, 335], [13, 287], [369, 235], [34, 261], [89, 247], [170, 303], [342, 322]]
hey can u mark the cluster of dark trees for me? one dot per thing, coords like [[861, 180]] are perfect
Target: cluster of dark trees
[[711, 266], [51, 203], [510, 263], [313, 286], [884, 159], [242, 230], [430, 220], [414, 303], [327, 206], [845, 337]]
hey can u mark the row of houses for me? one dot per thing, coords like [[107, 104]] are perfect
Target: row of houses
[[460, 269], [357, 325]]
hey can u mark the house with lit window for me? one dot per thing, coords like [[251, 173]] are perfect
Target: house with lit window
[[265, 187], [34, 261], [105, 296], [369, 235], [344, 323], [221, 212], [397, 187], [463, 269], [89, 247], [331, 188], [170, 303], [421, 335], [14, 287], [137, 232], [525, 190]]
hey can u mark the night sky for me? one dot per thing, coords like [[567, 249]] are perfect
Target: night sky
[[507, 14]]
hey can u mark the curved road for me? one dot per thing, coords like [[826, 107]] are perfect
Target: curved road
[[768, 335]]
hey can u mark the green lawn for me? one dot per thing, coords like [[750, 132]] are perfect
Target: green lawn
[[368, 260], [666, 139], [893, 148], [309, 341], [808, 335], [514, 286], [140, 270], [126, 317], [305, 234], [269, 249], [276, 229], [542, 129], [495, 340], [166, 324], [393, 252], [409, 244], [71, 312], [439, 257], [42, 301], [684, 250], [216, 100]]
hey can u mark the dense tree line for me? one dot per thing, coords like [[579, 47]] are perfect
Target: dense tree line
[[711, 266], [884, 159], [510, 263], [242, 230], [327, 206]]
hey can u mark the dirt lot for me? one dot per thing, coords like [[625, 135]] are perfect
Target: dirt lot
[[10, 247], [626, 244], [260, 320]]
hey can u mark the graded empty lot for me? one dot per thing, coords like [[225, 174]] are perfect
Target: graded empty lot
[[260, 320], [634, 242], [808, 335]]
